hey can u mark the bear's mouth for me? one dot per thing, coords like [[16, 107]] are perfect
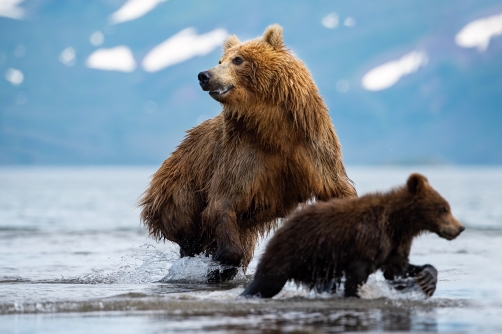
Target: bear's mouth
[[448, 235], [221, 91]]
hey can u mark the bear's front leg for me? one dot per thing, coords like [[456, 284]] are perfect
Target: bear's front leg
[[229, 252]]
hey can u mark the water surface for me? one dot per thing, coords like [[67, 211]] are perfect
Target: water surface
[[73, 256]]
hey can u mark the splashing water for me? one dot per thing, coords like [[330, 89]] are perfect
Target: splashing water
[[152, 267], [194, 270], [377, 287]]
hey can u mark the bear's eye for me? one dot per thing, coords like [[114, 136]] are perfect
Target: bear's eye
[[237, 61], [443, 209]]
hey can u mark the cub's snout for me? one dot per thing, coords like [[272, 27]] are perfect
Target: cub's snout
[[451, 228]]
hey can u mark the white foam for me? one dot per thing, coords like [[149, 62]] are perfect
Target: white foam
[[377, 287], [14, 76], [152, 266], [478, 33], [189, 269], [11, 9], [119, 58], [330, 21], [133, 9], [219, 295], [291, 290], [193, 270], [181, 47], [388, 74]]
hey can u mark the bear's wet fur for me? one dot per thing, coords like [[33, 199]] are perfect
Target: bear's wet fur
[[354, 237], [272, 148]]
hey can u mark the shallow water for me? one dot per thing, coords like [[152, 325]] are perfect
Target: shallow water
[[73, 256]]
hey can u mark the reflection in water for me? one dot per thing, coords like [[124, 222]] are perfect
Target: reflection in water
[[407, 320], [172, 288], [270, 321]]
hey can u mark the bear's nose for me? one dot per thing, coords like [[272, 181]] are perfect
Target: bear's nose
[[461, 229], [204, 78]]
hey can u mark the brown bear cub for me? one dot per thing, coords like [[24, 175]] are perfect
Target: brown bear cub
[[355, 237], [272, 148]]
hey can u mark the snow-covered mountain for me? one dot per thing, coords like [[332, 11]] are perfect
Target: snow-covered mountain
[[115, 82]]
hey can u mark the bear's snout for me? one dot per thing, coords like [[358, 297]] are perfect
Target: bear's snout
[[451, 229], [204, 78], [217, 81]]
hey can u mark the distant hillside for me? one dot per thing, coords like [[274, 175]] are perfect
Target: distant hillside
[[54, 109]]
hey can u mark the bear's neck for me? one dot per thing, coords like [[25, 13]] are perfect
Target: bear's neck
[[277, 127], [403, 216], [262, 125]]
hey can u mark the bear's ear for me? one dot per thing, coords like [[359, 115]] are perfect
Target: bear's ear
[[231, 40], [273, 36], [416, 183]]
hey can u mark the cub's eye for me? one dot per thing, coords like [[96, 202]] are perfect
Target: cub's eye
[[443, 209], [237, 61]]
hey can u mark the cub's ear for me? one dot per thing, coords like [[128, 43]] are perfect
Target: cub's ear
[[231, 40], [416, 183], [273, 36]]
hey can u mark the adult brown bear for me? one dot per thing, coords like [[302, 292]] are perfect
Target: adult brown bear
[[354, 238], [272, 148]]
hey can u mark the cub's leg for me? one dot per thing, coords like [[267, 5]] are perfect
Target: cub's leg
[[426, 277], [356, 274], [264, 286]]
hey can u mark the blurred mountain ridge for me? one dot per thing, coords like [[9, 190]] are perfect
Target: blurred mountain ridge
[[447, 112]]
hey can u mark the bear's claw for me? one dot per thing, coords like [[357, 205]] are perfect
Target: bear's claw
[[427, 279]]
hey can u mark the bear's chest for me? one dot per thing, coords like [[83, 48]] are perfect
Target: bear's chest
[[259, 182]]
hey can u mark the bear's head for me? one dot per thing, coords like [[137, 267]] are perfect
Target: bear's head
[[260, 71], [430, 210]]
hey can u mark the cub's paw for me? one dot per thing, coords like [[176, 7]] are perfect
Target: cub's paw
[[427, 278]]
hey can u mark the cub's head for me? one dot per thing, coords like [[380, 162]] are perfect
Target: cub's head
[[431, 210], [252, 71]]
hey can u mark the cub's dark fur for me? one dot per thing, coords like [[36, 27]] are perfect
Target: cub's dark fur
[[355, 237]]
